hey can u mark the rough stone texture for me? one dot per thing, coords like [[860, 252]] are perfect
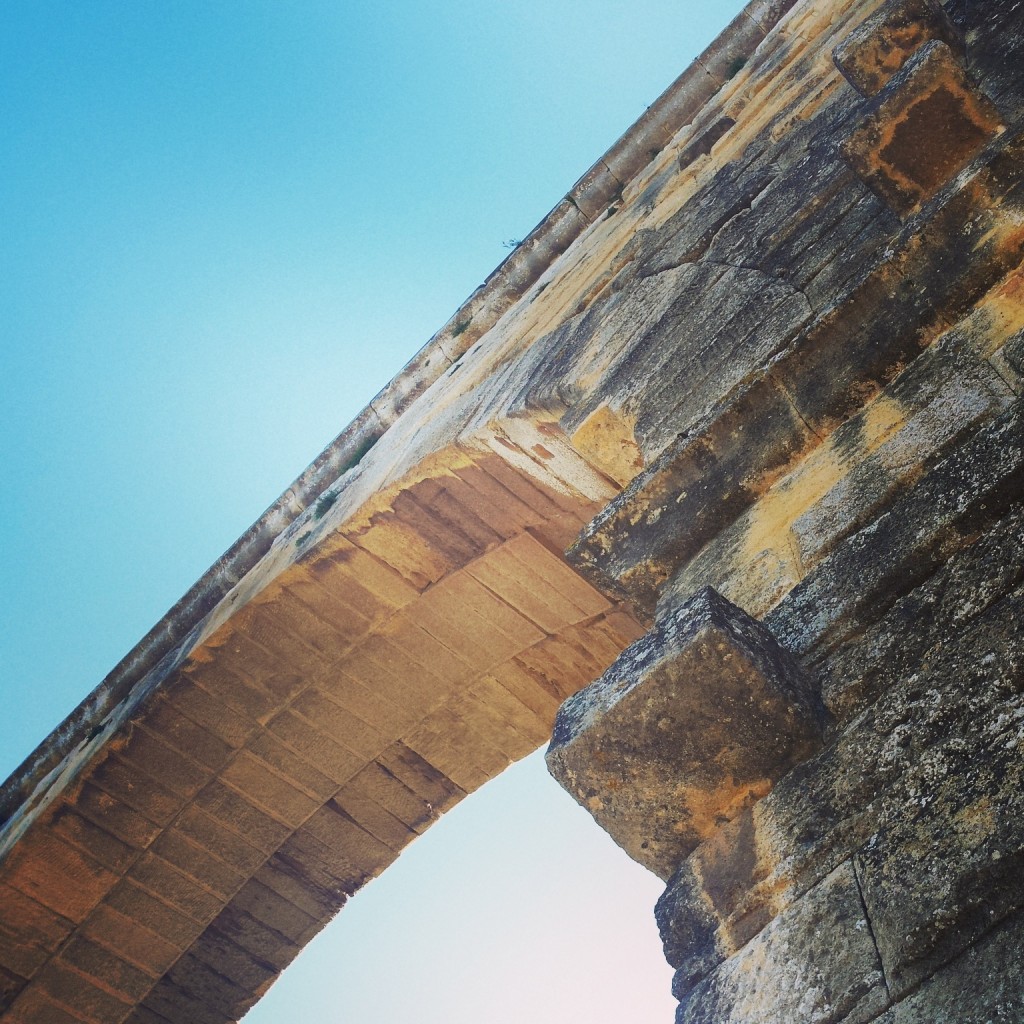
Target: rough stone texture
[[690, 725], [723, 360], [984, 986], [921, 789], [883, 548], [928, 123], [873, 53], [815, 963]]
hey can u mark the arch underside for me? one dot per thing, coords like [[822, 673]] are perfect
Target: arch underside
[[367, 688], [746, 348]]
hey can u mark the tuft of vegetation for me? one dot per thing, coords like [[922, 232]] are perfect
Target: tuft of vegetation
[[323, 505], [299, 541], [353, 460], [736, 67], [460, 328]]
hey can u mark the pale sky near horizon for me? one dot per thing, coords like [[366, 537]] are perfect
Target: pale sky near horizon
[[228, 224]]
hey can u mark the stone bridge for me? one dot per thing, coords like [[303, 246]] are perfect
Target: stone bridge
[[748, 396]]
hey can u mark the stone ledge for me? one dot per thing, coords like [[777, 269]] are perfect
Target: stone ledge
[[693, 722]]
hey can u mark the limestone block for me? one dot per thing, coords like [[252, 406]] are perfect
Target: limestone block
[[596, 191], [697, 486], [605, 440], [691, 724], [705, 141], [915, 447], [875, 51], [923, 527], [1013, 353], [984, 986], [701, 915], [928, 123], [947, 858], [816, 962], [923, 789]]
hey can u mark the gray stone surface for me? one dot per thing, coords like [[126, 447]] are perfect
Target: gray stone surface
[[814, 964], [984, 986], [922, 789]]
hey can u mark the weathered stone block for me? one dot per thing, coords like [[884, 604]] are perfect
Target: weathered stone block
[[857, 674], [703, 481], [695, 912], [1013, 353], [922, 439], [816, 962], [875, 51], [947, 859], [985, 986], [691, 724], [928, 123], [705, 141]]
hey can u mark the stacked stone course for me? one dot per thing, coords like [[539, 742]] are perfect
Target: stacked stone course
[[860, 492], [736, 436]]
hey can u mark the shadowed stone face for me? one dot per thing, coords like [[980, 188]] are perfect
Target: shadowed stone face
[[815, 963], [691, 724]]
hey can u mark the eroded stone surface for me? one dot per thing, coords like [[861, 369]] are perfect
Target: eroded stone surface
[[808, 398], [691, 724], [873, 53], [816, 964], [984, 986], [930, 120]]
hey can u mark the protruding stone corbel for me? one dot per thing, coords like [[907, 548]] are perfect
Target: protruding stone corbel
[[693, 723]]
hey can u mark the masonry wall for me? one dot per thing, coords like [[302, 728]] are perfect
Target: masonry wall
[[737, 433], [859, 491]]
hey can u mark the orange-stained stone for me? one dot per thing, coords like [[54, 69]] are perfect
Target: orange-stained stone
[[204, 830], [79, 993], [151, 912], [29, 932], [348, 571], [539, 563], [929, 122], [149, 754], [33, 1006], [206, 710], [173, 887], [88, 837], [115, 816], [241, 816], [337, 753], [193, 860], [283, 800], [288, 771], [108, 971], [57, 875]]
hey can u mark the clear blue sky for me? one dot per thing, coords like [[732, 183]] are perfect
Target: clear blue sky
[[227, 224]]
